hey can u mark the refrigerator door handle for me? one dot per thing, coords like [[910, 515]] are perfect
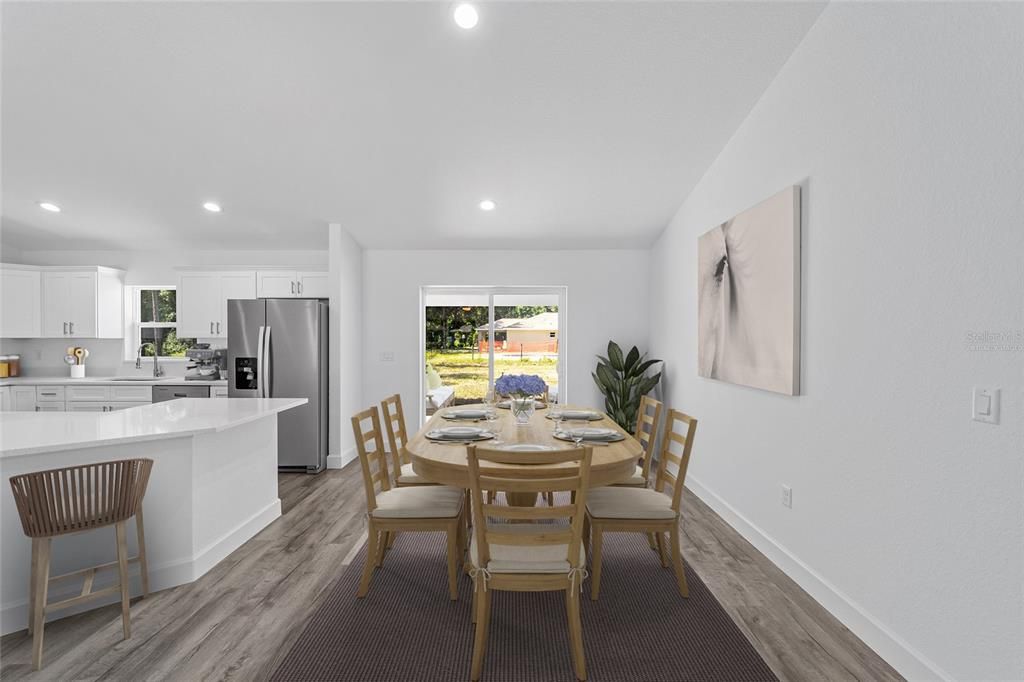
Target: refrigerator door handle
[[260, 376], [267, 368]]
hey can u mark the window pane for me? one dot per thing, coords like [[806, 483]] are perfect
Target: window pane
[[157, 305], [166, 340]]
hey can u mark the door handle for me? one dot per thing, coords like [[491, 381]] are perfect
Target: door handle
[[260, 375], [268, 368]]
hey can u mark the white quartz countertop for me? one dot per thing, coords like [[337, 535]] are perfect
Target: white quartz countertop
[[109, 381], [29, 433]]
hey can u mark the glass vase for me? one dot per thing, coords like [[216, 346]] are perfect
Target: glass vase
[[522, 409]]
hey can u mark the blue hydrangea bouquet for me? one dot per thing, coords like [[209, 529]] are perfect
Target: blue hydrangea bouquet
[[520, 390], [520, 385]]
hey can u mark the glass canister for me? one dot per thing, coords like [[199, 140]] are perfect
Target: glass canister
[[14, 365], [5, 366]]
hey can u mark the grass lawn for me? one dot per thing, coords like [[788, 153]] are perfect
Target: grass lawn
[[467, 371]]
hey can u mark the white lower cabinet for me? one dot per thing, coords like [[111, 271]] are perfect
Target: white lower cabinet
[[23, 398], [218, 391], [5, 398]]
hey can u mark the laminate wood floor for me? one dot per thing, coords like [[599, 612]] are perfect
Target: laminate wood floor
[[240, 619]]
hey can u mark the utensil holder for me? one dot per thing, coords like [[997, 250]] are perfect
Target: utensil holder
[[77, 371]]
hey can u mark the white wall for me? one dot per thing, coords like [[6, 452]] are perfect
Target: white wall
[[607, 299], [346, 369], [903, 124], [44, 357]]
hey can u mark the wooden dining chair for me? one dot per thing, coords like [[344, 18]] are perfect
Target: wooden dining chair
[[648, 417], [545, 555], [394, 424], [390, 510], [645, 510], [75, 499]]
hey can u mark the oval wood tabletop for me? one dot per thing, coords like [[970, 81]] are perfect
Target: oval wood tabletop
[[446, 462]]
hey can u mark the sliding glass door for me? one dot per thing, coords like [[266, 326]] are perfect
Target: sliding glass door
[[473, 335]]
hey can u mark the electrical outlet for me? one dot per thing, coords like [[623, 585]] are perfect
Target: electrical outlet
[[387, 356], [787, 497]]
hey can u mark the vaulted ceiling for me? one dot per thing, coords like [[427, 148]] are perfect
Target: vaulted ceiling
[[587, 123]]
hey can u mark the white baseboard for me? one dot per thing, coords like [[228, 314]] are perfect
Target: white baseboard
[[340, 460], [898, 653], [14, 615]]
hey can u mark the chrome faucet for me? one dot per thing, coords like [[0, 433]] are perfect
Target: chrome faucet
[[157, 370]]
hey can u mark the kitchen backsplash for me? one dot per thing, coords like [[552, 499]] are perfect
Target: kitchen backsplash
[[45, 358]]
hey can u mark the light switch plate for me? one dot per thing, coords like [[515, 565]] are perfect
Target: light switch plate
[[985, 405], [387, 356]]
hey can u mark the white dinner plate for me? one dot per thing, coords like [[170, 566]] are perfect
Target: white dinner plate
[[579, 414], [465, 414], [505, 405], [591, 434], [460, 431], [528, 447]]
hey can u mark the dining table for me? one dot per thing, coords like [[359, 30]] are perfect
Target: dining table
[[446, 462]]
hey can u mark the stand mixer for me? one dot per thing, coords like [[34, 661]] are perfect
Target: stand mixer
[[209, 362]]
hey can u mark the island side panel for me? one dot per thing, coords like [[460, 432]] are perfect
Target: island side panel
[[234, 489], [168, 513]]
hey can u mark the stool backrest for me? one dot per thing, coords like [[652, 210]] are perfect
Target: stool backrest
[[72, 499]]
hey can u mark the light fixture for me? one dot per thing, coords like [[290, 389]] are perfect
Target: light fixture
[[465, 16], [212, 207], [488, 205], [47, 206]]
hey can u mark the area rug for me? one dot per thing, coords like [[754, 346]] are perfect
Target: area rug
[[407, 629]]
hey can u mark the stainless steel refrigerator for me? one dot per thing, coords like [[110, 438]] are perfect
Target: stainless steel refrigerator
[[277, 348]]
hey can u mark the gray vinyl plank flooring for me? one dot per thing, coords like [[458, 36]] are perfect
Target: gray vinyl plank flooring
[[240, 619]]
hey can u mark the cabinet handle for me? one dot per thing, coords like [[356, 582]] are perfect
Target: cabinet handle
[[53, 394], [218, 328], [211, 328], [300, 286], [71, 326], [65, 329], [293, 288], [37, 408]]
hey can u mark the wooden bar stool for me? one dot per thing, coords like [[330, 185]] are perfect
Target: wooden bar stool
[[71, 500]]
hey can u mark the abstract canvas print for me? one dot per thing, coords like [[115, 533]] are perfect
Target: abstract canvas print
[[749, 297]]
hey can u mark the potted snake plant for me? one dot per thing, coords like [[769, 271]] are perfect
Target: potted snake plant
[[623, 380]]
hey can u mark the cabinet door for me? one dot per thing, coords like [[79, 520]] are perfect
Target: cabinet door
[[313, 285], [5, 399], [23, 398], [85, 406], [49, 407], [275, 284], [56, 306], [199, 305], [233, 285], [20, 305], [82, 305], [124, 405]]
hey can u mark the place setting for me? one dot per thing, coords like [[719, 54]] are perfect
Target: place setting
[[460, 435]]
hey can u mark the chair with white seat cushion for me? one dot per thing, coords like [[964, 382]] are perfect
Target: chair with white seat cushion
[[411, 509], [643, 510], [394, 423], [528, 549], [647, 418]]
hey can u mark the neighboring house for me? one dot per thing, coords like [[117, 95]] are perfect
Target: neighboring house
[[537, 334]]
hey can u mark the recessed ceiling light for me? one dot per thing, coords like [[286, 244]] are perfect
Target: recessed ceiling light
[[465, 16], [212, 207], [488, 205], [47, 206]]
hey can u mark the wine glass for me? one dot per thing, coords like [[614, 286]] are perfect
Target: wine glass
[[556, 418]]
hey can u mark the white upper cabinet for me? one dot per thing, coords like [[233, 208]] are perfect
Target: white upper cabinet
[[203, 301], [86, 303], [291, 284], [20, 306]]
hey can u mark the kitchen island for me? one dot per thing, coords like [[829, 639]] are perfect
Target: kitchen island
[[213, 487]]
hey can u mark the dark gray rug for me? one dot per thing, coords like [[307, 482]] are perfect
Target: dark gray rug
[[408, 630]]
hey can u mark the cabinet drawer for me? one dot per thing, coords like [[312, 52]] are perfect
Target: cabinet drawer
[[125, 404], [85, 406], [219, 392], [85, 392], [135, 393], [50, 407], [162, 393], [49, 394]]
